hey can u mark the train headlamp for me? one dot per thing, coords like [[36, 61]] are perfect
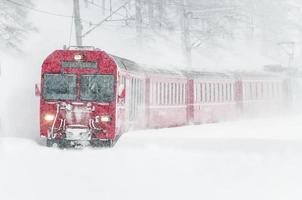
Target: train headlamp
[[105, 118], [49, 117], [78, 57]]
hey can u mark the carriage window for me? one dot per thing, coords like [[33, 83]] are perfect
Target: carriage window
[[59, 86], [174, 96], [222, 92], [195, 92], [97, 88], [231, 91], [202, 92], [273, 89], [179, 94], [159, 93], [165, 93], [151, 93]]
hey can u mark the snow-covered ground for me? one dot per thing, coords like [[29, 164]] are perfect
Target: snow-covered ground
[[246, 159]]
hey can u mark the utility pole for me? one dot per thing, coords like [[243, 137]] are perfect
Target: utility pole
[[185, 18], [151, 13], [104, 7], [77, 22], [289, 49], [139, 20]]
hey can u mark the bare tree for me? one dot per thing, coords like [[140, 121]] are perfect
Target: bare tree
[[14, 24]]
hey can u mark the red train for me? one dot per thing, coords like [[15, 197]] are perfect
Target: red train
[[89, 96]]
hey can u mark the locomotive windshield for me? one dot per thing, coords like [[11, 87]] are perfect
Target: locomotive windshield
[[98, 88], [59, 86]]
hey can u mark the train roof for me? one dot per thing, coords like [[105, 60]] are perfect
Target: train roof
[[129, 65], [132, 66]]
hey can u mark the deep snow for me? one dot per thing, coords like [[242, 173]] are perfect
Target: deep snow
[[247, 159]]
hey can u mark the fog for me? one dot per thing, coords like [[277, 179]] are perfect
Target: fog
[[254, 157], [21, 70]]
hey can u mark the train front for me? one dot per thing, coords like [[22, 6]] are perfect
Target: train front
[[77, 105]]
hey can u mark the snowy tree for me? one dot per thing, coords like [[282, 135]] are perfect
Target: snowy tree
[[14, 24]]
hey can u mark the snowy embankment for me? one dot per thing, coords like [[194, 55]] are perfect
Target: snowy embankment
[[247, 159]]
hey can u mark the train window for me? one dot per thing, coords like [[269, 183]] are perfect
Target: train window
[[97, 88], [261, 90], [226, 92], [231, 92], [136, 93], [251, 90], [175, 93], [256, 90], [168, 93], [243, 90], [279, 89], [247, 91], [265, 90], [223, 92], [60, 86], [132, 100], [160, 93], [200, 92], [217, 92], [164, 93], [172, 93], [205, 92], [139, 94], [156, 93], [183, 93], [203, 97], [197, 93], [273, 89], [151, 93], [141, 91], [138, 88], [178, 93], [213, 92], [209, 92]]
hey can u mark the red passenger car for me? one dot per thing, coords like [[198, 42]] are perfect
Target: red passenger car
[[89, 96]]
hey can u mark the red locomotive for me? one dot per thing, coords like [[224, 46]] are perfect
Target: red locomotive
[[89, 96]]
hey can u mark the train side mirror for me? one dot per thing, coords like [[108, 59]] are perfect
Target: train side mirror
[[121, 91], [121, 94], [37, 90]]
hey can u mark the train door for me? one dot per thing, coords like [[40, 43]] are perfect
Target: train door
[[120, 106], [136, 103]]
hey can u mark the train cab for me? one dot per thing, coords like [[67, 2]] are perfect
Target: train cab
[[78, 98]]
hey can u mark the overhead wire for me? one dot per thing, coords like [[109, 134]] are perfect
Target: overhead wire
[[43, 11], [71, 27]]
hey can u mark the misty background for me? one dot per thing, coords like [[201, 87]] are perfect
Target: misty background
[[243, 159], [211, 35]]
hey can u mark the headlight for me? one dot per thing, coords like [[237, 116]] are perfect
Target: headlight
[[49, 117], [105, 118], [78, 57]]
